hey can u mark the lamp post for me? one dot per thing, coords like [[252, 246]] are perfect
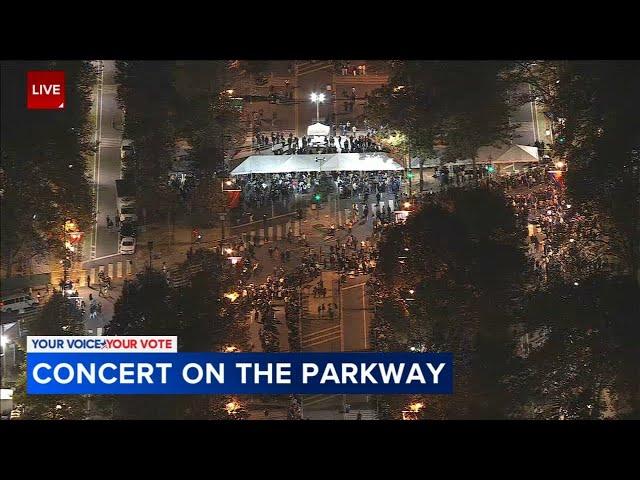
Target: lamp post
[[3, 344], [317, 98]]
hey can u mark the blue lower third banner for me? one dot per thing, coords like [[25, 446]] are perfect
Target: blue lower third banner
[[240, 373]]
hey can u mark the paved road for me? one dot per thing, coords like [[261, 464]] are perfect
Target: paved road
[[525, 116], [355, 314], [107, 164]]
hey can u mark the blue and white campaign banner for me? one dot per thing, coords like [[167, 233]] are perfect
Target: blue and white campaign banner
[[123, 372], [93, 344]]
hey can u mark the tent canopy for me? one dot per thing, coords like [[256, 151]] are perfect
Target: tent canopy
[[318, 129], [331, 162], [501, 154]]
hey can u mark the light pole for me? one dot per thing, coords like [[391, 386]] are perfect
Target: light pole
[[317, 98], [3, 344]]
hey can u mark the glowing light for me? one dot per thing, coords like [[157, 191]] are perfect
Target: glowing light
[[407, 205], [572, 240], [412, 291], [559, 164], [231, 349], [233, 296], [228, 251], [228, 182], [416, 407], [576, 283], [232, 407], [3, 340], [317, 97]]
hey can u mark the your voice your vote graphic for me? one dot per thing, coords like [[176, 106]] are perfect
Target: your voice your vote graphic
[[152, 365]]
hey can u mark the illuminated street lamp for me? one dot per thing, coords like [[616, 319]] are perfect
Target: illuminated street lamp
[[317, 98]]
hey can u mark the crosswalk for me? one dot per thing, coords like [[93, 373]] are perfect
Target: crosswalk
[[319, 337], [364, 415], [110, 142]]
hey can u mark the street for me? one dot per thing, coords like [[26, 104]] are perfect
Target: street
[[107, 166]]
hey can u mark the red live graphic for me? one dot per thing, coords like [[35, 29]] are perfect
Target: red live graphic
[[45, 90]]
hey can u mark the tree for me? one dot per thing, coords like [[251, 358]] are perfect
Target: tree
[[146, 308], [593, 107], [205, 114], [146, 91], [198, 314], [60, 317], [460, 261], [461, 105], [42, 174]]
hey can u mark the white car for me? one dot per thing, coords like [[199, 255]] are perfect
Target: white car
[[127, 245]]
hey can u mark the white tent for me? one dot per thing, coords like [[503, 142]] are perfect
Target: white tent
[[318, 129], [504, 154], [518, 154], [332, 162]]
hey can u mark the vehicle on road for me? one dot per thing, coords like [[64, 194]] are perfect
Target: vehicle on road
[[127, 246], [128, 229], [125, 201], [126, 148], [128, 213], [17, 303]]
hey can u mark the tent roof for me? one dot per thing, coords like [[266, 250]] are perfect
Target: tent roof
[[502, 154], [332, 162], [318, 129]]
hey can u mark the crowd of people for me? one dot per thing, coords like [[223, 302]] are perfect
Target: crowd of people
[[345, 140], [539, 200]]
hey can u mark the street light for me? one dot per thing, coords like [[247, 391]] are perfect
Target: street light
[[317, 98]]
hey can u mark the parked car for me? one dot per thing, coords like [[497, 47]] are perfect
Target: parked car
[[128, 229], [127, 245], [126, 148], [17, 303], [128, 213]]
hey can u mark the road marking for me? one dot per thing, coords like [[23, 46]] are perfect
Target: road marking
[[354, 286], [320, 400], [364, 318], [320, 331], [325, 337], [102, 258], [96, 176], [320, 342], [322, 335], [341, 320], [532, 104]]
